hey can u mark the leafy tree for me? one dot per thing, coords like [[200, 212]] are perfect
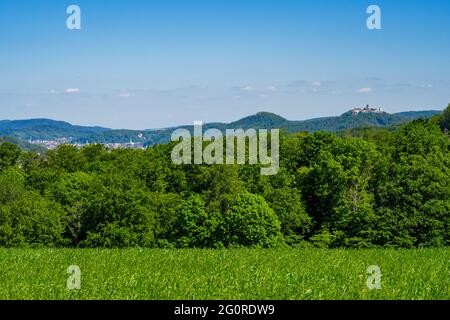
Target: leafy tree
[[117, 212], [166, 208], [11, 186], [336, 188], [251, 222], [66, 158], [93, 157], [9, 155], [413, 193], [291, 150], [71, 191], [31, 221], [194, 227], [219, 186], [42, 177], [160, 174], [445, 119], [287, 205]]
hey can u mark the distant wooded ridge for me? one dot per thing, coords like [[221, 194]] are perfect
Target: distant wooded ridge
[[47, 129]]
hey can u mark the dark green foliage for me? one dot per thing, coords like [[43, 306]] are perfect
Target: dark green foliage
[[413, 191], [116, 212], [9, 155], [290, 210], [26, 218], [11, 186], [335, 182], [66, 158], [445, 119], [70, 190], [360, 188]]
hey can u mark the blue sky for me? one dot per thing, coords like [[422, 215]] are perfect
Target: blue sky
[[147, 64]]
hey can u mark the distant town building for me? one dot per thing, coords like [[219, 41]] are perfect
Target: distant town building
[[367, 109], [53, 144]]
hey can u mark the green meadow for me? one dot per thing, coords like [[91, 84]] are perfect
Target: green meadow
[[224, 274]]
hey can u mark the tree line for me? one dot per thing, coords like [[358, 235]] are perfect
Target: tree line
[[366, 189]]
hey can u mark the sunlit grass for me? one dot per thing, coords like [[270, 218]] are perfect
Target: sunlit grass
[[224, 274]]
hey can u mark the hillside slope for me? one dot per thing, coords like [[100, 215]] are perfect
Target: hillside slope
[[47, 129]]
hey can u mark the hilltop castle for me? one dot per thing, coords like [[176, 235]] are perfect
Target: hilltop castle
[[367, 109]]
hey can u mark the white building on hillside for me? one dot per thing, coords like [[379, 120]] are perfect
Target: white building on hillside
[[367, 109]]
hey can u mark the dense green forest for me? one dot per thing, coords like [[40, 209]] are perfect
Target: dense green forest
[[371, 188]]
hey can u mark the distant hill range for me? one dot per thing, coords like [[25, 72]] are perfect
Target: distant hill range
[[46, 129]]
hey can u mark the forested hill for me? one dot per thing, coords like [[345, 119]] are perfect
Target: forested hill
[[331, 124], [46, 129]]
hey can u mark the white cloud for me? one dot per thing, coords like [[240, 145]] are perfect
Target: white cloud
[[248, 88], [316, 83], [125, 95], [72, 90], [258, 89], [365, 90]]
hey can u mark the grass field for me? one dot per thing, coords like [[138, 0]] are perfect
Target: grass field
[[225, 274]]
